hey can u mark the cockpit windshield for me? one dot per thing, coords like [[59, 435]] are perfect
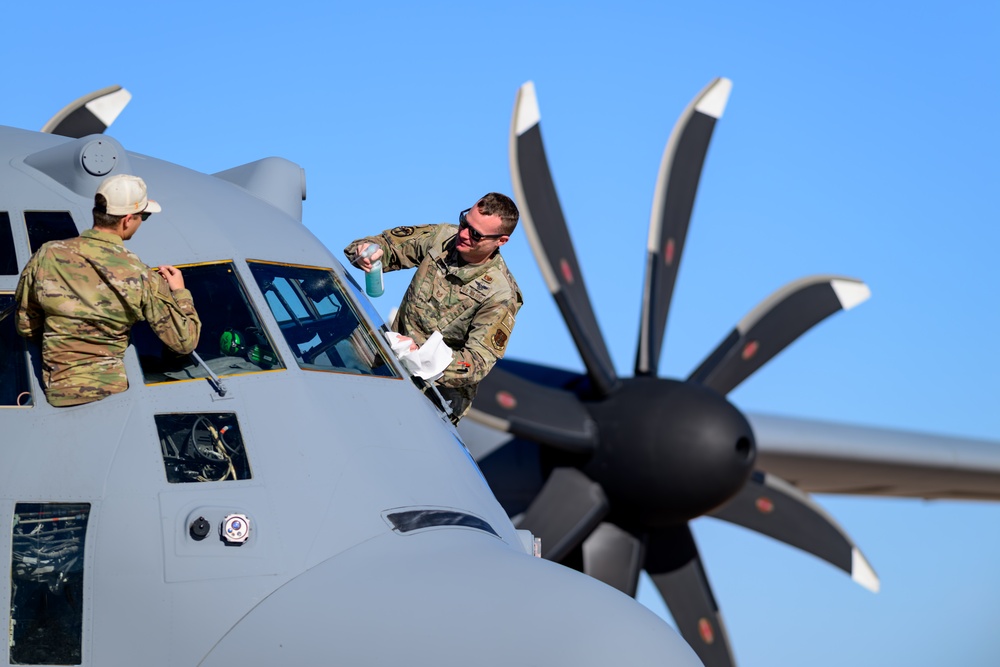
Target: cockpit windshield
[[233, 341], [318, 320]]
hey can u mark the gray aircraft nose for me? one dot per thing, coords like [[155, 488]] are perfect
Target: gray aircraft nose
[[447, 597]]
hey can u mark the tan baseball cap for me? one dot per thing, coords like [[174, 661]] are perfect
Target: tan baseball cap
[[126, 195]]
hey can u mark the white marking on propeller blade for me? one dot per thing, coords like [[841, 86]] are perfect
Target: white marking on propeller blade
[[850, 293], [862, 572], [710, 101], [107, 107], [527, 109], [714, 102]]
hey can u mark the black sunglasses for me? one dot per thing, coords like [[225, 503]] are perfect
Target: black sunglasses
[[474, 234], [145, 216]]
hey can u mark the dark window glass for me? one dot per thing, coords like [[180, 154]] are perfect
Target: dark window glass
[[233, 341], [8, 258], [46, 583], [45, 226], [408, 521], [15, 386], [202, 447], [319, 320]]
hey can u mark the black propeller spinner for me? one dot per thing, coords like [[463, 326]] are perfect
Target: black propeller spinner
[[622, 465]]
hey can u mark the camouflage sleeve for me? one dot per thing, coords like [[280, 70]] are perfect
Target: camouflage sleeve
[[171, 315], [402, 247], [30, 318], [488, 336]]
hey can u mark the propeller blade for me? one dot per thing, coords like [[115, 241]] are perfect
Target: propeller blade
[[773, 507], [565, 512], [548, 376], [546, 229], [614, 556], [546, 415], [91, 114], [674, 565], [673, 201], [773, 325]]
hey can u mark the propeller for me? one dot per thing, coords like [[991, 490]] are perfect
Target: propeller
[[91, 114], [620, 466]]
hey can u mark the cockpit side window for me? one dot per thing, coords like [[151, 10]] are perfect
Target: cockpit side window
[[15, 383], [319, 320], [8, 257], [45, 226], [232, 342]]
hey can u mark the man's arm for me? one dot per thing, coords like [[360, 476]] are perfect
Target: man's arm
[[30, 317], [170, 313], [488, 337], [402, 247]]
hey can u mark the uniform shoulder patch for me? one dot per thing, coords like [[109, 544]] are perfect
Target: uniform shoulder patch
[[500, 334], [403, 231], [499, 340]]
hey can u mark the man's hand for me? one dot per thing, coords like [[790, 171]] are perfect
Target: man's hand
[[173, 277], [365, 263], [406, 339]]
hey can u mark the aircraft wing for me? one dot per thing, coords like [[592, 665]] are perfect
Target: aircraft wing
[[828, 457]]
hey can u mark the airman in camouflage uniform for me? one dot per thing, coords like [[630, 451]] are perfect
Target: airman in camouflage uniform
[[462, 288], [82, 296]]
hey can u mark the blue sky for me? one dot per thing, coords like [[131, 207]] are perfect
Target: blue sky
[[859, 140]]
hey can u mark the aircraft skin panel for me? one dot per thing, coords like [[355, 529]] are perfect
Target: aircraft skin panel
[[192, 227], [824, 457], [336, 484], [386, 596]]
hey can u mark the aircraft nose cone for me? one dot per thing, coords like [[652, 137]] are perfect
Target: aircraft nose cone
[[447, 597]]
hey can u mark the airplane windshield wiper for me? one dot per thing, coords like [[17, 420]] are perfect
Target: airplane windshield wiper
[[212, 378]]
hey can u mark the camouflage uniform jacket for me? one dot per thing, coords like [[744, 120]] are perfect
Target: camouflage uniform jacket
[[83, 295], [472, 305]]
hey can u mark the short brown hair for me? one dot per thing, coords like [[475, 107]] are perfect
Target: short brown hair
[[103, 219], [495, 203]]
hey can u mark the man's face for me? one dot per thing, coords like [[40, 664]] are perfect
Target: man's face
[[474, 225], [129, 230]]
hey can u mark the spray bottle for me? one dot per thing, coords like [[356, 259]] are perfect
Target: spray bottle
[[373, 279]]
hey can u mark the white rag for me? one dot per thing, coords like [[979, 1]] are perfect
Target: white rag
[[428, 361]]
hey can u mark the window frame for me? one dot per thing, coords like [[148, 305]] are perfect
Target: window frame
[[255, 315], [361, 311]]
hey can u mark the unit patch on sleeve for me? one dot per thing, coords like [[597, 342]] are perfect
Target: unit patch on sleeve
[[402, 231], [500, 334]]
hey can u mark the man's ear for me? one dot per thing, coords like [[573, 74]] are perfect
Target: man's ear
[[502, 240], [127, 223]]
